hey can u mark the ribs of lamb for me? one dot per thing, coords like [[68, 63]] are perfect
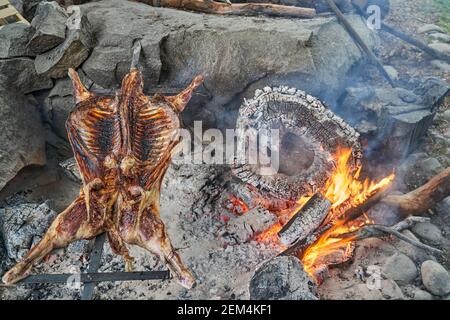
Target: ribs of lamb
[[122, 146]]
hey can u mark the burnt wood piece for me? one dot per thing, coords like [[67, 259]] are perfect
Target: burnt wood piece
[[420, 200], [250, 224], [309, 135], [306, 220], [123, 147], [249, 9], [298, 248]]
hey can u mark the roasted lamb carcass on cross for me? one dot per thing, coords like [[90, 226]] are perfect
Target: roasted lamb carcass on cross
[[123, 147]]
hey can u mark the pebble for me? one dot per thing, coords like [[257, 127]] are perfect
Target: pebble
[[442, 65], [392, 72], [429, 28], [422, 295], [400, 268], [440, 47], [441, 37], [428, 232], [446, 116], [435, 278]]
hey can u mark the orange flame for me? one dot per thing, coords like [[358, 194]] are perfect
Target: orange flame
[[343, 189]]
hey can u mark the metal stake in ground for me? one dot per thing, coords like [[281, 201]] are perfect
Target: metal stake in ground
[[360, 41]]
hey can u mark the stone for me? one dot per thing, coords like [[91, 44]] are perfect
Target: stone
[[18, 4], [422, 295], [402, 127], [60, 102], [69, 54], [390, 290], [428, 232], [442, 65], [23, 226], [22, 136], [178, 44], [446, 114], [392, 72], [400, 268], [432, 92], [418, 255], [422, 171], [18, 74], [429, 28], [50, 25], [440, 47], [443, 207], [281, 278], [14, 38], [435, 278], [441, 37]]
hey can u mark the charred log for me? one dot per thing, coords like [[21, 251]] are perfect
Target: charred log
[[309, 135], [210, 6], [306, 220]]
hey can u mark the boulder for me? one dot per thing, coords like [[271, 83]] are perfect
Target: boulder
[[50, 25], [18, 74], [69, 54], [442, 65], [236, 54], [281, 278], [22, 135], [441, 37], [435, 278], [422, 295], [23, 226], [14, 38]]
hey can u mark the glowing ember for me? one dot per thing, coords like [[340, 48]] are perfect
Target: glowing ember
[[236, 205], [344, 190]]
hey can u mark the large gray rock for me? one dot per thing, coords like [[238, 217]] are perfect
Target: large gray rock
[[281, 278], [400, 268], [18, 74], [69, 54], [21, 137], [50, 24], [236, 54], [441, 47], [14, 38], [435, 278], [60, 102], [429, 28], [23, 225]]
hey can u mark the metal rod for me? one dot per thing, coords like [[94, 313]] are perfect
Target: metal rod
[[360, 42], [92, 278], [94, 264]]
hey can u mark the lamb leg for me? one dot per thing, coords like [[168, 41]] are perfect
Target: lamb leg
[[69, 226]]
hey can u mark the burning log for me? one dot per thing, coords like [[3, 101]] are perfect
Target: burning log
[[306, 220], [309, 135], [422, 199], [249, 9]]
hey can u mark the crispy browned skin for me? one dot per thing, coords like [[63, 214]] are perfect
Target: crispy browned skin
[[123, 148]]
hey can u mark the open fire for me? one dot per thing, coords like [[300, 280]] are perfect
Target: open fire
[[344, 190]]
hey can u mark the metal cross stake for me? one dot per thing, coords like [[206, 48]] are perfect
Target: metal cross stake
[[90, 278]]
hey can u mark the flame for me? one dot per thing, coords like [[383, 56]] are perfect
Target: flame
[[343, 189]]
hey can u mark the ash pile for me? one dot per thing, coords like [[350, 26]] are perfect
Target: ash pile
[[213, 219]]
